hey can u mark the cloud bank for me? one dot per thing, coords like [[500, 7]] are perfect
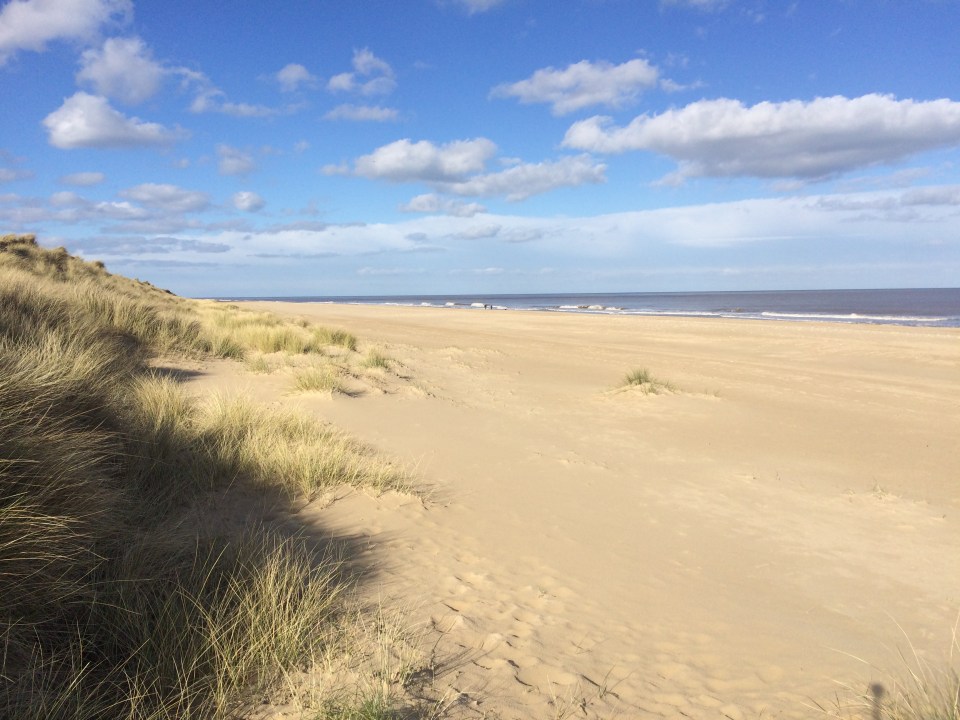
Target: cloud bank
[[811, 140]]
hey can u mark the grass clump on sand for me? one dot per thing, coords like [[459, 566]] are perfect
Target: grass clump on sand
[[376, 360], [227, 324], [325, 378], [128, 591], [922, 690], [642, 380]]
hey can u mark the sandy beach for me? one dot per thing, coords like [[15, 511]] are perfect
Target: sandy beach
[[777, 524]]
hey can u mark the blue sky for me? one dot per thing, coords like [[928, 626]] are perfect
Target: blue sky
[[461, 146]]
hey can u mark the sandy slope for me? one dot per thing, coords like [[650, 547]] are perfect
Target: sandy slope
[[788, 517]]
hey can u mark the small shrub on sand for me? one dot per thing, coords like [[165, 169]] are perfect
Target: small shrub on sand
[[642, 380], [319, 379], [376, 360], [259, 364], [339, 338]]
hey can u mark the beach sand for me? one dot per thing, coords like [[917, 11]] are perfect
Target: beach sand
[[777, 526]]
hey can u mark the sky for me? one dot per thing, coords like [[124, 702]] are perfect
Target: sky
[[380, 147]]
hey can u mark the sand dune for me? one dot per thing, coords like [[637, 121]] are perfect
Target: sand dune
[[782, 520]]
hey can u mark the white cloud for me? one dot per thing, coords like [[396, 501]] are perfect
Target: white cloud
[[457, 168], [331, 170], [123, 69], [66, 198], [522, 181], [405, 161], [86, 120], [478, 6], [119, 211], [248, 201], [168, 198], [432, 203], [583, 84], [373, 113], [83, 179], [294, 76], [479, 232], [370, 76], [333, 240], [212, 99], [31, 24], [234, 161], [809, 140], [11, 174]]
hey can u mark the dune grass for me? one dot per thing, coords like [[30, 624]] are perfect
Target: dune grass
[[376, 360], [319, 379], [922, 689], [641, 379], [127, 590]]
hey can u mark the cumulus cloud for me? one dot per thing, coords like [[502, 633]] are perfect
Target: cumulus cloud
[[294, 76], [458, 168], [406, 161], [31, 24], [122, 69], [83, 179], [809, 140], [527, 179], [369, 113], [168, 198], [89, 121], [433, 203], [248, 201], [233, 161], [583, 84], [370, 76]]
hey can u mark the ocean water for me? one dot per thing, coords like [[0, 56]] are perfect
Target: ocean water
[[927, 307]]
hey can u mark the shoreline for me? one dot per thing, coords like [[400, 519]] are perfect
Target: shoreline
[[729, 545], [930, 307]]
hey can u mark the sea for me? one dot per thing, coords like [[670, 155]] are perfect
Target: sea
[[925, 307]]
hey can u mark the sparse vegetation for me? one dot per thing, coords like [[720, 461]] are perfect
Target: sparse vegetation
[[641, 379], [922, 690], [319, 379], [376, 359], [129, 589]]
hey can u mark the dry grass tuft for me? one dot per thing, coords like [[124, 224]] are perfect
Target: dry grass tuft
[[376, 360], [641, 379], [324, 378], [922, 690]]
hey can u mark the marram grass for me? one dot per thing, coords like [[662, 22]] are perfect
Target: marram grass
[[324, 378], [121, 595], [643, 380]]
